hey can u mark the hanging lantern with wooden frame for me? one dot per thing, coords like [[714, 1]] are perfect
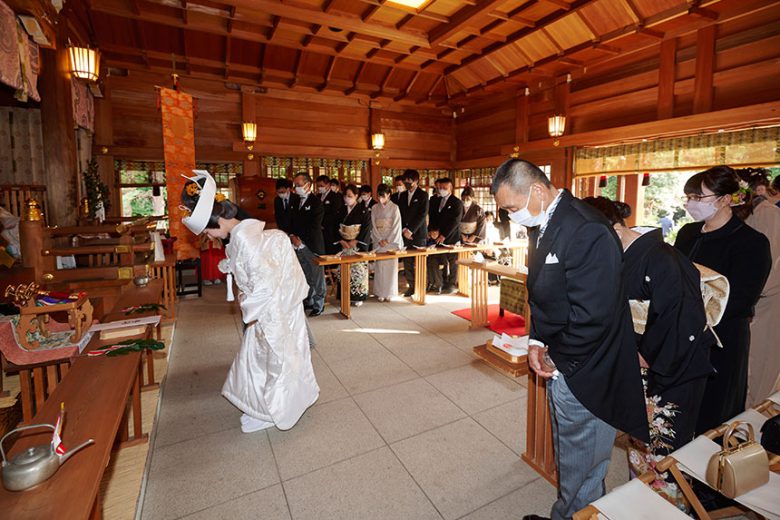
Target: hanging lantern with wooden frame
[[84, 62]]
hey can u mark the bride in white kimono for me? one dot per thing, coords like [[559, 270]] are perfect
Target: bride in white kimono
[[386, 236], [271, 380]]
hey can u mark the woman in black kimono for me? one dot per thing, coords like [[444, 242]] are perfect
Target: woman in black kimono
[[721, 241], [349, 216], [675, 345], [472, 225]]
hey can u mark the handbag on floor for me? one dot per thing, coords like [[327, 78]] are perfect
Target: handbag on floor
[[734, 471]]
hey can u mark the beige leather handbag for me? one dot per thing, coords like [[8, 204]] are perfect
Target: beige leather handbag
[[736, 470]]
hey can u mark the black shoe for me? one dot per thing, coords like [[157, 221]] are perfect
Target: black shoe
[[315, 313], [535, 517], [448, 290], [409, 293], [434, 290]]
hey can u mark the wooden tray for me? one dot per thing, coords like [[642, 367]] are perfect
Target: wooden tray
[[506, 355]]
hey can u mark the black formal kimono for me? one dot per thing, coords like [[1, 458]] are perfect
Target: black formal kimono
[[676, 342], [413, 215], [579, 309], [742, 255], [443, 268], [475, 217], [283, 212], [332, 203], [306, 223], [358, 281]]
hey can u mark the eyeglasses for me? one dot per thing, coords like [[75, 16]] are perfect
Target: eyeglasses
[[695, 197]]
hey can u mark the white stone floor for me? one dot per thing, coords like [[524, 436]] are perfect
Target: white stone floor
[[409, 425]]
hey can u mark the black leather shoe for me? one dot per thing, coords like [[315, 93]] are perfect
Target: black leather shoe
[[448, 290], [434, 290], [315, 313], [408, 293], [535, 517]]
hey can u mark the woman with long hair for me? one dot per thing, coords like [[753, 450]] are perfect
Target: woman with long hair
[[271, 379], [386, 236]]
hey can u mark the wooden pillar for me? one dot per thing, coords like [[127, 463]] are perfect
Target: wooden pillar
[[374, 170], [705, 63], [59, 138], [251, 167], [102, 148], [666, 77], [521, 119], [633, 195]]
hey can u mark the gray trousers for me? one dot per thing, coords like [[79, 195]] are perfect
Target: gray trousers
[[583, 448], [315, 277]]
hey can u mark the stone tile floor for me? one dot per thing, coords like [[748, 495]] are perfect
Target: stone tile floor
[[409, 425]]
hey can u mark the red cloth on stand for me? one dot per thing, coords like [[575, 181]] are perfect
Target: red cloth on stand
[[209, 260]]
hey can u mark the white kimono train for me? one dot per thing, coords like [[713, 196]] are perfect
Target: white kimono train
[[386, 225], [271, 378]]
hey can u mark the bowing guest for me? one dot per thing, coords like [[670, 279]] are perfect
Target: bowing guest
[[413, 205], [355, 232], [284, 202], [445, 213], [472, 225], [581, 337], [332, 202], [674, 346], [386, 236], [335, 185], [398, 188], [307, 240], [721, 241]]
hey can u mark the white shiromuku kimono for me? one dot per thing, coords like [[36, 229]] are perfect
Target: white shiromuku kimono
[[386, 225], [271, 378], [764, 360]]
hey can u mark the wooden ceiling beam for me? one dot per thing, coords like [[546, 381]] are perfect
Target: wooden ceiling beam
[[408, 88], [227, 55], [371, 11], [515, 18], [231, 18], [296, 69], [275, 25], [187, 65], [349, 23], [560, 4], [431, 90], [461, 19], [555, 43], [631, 10], [183, 11], [309, 37], [421, 13], [139, 35], [383, 85]]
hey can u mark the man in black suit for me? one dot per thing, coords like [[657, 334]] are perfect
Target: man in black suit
[[331, 206], [364, 196], [413, 204], [446, 212], [581, 335], [307, 240], [284, 205]]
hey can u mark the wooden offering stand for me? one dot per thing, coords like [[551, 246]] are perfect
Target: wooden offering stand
[[33, 317]]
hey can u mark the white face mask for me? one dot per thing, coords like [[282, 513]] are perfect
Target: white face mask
[[365, 198], [349, 201], [444, 193], [467, 203], [524, 217], [400, 189], [301, 191], [322, 190], [701, 209], [284, 196]]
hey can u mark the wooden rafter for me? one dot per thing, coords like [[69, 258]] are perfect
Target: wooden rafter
[[139, 35], [228, 45], [631, 10], [358, 75], [371, 11], [408, 88], [274, 27], [501, 70], [594, 34], [431, 90], [187, 65], [309, 37], [183, 11], [328, 74], [461, 19], [231, 18], [296, 69], [550, 37], [560, 4], [383, 84]]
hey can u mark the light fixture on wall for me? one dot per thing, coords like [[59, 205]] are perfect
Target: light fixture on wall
[[603, 181], [249, 133], [84, 62], [378, 144], [646, 179], [556, 125]]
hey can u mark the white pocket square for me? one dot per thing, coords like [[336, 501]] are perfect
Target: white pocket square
[[551, 259]]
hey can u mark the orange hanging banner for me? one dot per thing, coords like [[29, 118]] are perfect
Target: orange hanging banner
[[179, 150]]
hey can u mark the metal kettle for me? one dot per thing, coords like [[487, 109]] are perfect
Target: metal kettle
[[34, 465]]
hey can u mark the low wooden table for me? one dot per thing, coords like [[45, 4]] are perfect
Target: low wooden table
[[420, 268], [479, 286]]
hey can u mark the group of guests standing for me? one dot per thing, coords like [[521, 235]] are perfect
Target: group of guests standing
[[676, 378], [332, 221]]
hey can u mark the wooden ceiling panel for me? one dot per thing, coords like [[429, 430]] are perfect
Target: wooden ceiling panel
[[312, 64], [161, 38], [486, 69], [569, 32], [510, 58], [540, 9], [244, 52], [113, 29], [647, 8], [605, 16], [465, 78], [536, 46]]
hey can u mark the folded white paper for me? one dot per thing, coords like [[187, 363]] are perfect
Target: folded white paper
[[636, 501], [510, 345], [112, 325]]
